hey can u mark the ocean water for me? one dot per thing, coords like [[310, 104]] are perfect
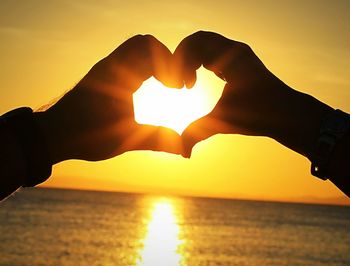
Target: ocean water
[[68, 227]]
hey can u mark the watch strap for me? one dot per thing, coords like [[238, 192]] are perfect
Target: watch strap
[[333, 128]]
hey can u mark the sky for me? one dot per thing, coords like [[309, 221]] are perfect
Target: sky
[[46, 47]]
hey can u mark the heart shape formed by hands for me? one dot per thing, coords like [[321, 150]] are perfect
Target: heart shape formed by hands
[[252, 95], [96, 120]]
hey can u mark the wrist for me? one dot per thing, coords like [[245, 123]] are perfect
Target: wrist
[[299, 122], [52, 135]]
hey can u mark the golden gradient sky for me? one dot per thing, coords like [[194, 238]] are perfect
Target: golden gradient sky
[[47, 46]]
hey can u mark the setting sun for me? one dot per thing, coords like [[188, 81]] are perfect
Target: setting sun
[[158, 105]]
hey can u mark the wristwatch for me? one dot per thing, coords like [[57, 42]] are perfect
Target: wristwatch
[[333, 128], [27, 133]]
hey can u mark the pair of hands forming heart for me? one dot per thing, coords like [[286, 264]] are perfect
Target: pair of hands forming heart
[[95, 120]]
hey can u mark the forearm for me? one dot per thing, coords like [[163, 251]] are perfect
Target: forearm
[[296, 123], [299, 130], [55, 135], [25, 156], [340, 173], [12, 163]]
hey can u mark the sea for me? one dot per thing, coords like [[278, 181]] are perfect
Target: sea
[[40, 226]]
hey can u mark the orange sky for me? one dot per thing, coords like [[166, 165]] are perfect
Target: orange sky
[[47, 46]]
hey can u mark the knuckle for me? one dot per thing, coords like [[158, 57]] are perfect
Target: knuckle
[[202, 34], [131, 43], [149, 37], [150, 40], [244, 48], [136, 37]]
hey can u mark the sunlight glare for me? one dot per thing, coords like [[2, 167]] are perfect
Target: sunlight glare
[[162, 240], [158, 105]]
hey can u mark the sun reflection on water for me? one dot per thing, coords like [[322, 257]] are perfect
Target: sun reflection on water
[[162, 241]]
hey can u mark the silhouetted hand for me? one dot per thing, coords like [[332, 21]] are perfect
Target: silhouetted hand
[[95, 120], [254, 101]]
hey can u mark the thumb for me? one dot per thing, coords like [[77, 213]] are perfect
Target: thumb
[[154, 138], [203, 129], [196, 132]]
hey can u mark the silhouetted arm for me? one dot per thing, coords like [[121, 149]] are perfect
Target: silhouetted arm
[[12, 163], [339, 165], [255, 102], [298, 128], [94, 121]]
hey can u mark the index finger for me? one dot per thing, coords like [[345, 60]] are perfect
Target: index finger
[[143, 56], [214, 51]]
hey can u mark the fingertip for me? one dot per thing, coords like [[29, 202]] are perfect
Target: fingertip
[[173, 83], [220, 75], [179, 85], [186, 155], [187, 145], [190, 79], [190, 85]]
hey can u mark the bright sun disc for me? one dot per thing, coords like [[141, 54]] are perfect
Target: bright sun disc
[[155, 104]]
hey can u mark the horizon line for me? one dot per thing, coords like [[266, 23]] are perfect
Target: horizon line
[[309, 200]]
